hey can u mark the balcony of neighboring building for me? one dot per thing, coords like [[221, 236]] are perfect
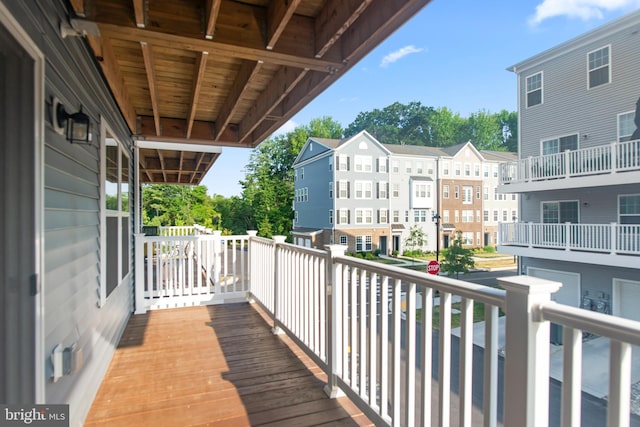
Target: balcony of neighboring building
[[603, 244], [610, 164]]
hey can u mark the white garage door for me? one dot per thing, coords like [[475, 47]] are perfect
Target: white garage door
[[569, 293], [626, 297]]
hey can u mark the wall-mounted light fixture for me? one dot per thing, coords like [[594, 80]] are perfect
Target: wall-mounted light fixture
[[76, 127]]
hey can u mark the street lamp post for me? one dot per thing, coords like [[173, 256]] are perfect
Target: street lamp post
[[436, 218]]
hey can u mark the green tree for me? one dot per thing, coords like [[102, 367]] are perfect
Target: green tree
[[457, 259], [167, 205], [268, 184], [415, 240], [509, 122]]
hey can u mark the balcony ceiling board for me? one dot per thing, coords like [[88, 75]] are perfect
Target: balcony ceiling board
[[223, 72]]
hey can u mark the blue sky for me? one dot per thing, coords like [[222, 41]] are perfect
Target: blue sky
[[453, 53]]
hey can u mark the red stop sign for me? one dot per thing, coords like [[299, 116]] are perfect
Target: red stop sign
[[433, 267]]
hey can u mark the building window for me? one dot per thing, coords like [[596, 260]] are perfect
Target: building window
[[457, 169], [626, 126], [467, 215], [421, 191], [362, 163], [301, 173], [343, 163], [383, 216], [430, 168], [486, 193], [534, 90], [445, 191], [343, 189], [495, 215], [467, 195], [513, 197], [456, 192], [330, 163], [419, 215], [382, 164], [419, 169], [476, 169], [396, 216], [445, 216], [295, 216], [330, 216], [407, 167], [495, 171], [331, 190], [343, 240], [599, 69], [116, 208], [514, 215], [445, 168], [629, 209], [467, 238], [559, 145], [486, 171], [363, 243], [560, 212], [395, 167], [504, 215], [478, 193], [478, 216], [467, 169], [363, 189], [395, 190], [364, 216], [382, 190], [478, 241], [456, 216], [406, 216], [343, 216], [485, 216]]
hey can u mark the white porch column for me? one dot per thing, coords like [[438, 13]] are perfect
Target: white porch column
[[276, 279], [526, 379], [334, 318], [141, 305], [250, 233]]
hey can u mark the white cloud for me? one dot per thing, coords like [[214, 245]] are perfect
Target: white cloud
[[398, 54], [289, 126], [581, 9]]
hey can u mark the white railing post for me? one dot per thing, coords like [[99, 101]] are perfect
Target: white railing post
[[217, 262], [567, 236], [567, 163], [141, 305], [614, 157], [614, 238], [334, 319], [530, 233], [526, 380], [250, 233], [276, 277]]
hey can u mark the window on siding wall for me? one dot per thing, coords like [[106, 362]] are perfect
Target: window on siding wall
[[116, 207], [599, 69], [343, 240], [629, 208], [534, 90], [559, 145], [626, 126]]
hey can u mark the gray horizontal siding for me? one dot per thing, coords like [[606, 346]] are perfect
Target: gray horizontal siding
[[569, 106], [72, 213]]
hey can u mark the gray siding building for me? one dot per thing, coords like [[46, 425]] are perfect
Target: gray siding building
[[578, 171]]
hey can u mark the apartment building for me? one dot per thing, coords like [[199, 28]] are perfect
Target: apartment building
[[578, 169], [372, 196], [497, 207]]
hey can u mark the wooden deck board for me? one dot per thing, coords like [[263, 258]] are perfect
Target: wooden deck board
[[215, 366]]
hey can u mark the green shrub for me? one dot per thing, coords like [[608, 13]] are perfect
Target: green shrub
[[489, 249]]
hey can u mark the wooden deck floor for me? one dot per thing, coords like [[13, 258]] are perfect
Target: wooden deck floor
[[215, 366]]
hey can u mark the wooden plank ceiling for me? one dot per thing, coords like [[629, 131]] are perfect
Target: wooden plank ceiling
[[223, 72]]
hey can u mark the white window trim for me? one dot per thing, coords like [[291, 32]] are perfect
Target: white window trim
[[619, 197], [618, 124], [551, 138], [526, 90], [542, 202], [608, 65]]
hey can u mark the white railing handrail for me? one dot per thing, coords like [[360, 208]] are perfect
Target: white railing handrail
[[608, 158], [480, 293]]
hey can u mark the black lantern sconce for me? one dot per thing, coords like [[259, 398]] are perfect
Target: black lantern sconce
[[76, 127]]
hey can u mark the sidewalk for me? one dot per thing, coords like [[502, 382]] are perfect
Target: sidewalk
[[595, 360]]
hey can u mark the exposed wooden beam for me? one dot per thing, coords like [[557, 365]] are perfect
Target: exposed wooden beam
[[151, 78], [334, 19], [248, 72], [174, 130], [201, 65], [197, 166], [213, 8], [282, 83], [218, 48], [78, 7], [140, 13], [162, 165], [180, 165], [278, 15], [106, 58]]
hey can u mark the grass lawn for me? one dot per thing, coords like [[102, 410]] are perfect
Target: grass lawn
[[478, 314]]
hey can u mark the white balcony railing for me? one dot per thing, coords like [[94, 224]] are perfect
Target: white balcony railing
[[604, 159], [606, 238], [370, 327]]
